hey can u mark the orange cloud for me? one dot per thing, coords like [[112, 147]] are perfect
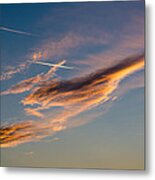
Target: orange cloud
[[75, 96], [30, 111], [37, 56], [77, 90]]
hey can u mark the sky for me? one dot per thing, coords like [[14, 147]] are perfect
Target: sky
[[86, 111]]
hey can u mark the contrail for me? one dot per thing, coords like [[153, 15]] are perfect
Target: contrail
[[16, 31], [53, 65]]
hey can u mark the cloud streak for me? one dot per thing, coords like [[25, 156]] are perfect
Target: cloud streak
[[74, 96]]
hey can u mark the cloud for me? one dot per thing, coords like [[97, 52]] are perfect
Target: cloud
[[127, 45], [120, 45], [23, 86], [79, 89], [8, 74], [28, 84], [51, 48], [30, 111], [74, 96]]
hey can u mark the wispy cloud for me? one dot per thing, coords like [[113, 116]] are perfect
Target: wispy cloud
[[8, 74], [28, 84], [51, 48], [75, 96], [121, 45]]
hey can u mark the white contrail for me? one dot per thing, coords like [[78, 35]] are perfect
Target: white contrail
[[16, 31], [52, 65]]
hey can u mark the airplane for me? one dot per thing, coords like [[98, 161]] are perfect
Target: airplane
[[52, 65]]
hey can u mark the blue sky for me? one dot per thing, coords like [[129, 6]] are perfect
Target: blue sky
[[89, 36]]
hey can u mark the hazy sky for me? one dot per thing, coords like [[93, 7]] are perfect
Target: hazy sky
[[91, 116]]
